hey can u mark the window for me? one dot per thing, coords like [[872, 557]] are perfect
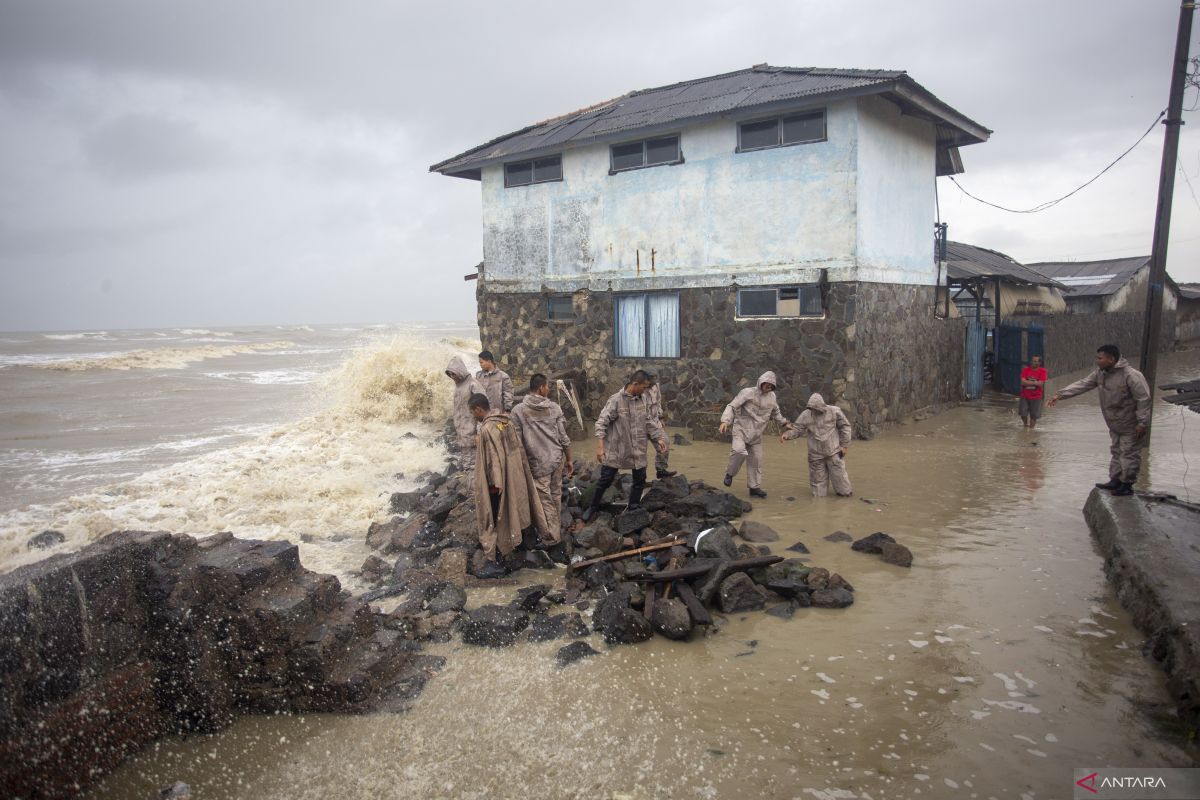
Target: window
[[646, 325], [786, 301], [647, 153], [792, 129], [540, 170], [559, 308]]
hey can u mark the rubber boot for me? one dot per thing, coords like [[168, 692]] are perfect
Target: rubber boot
[[1112, 483]]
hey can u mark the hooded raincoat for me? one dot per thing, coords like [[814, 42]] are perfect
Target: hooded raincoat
[[624, 426], [498, 388], [828, 431], [501, 470], [1125, 404], [542, 428], [749, 413], [464, 387]]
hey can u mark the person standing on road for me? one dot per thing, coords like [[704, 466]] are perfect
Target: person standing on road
[[542, 428], [1125, 404], [495, 382], [662, 466], [748, 414], [1033, 387], [622, 429], [828, 437]]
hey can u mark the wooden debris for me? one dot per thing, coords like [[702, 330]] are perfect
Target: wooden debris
[[626, 553]]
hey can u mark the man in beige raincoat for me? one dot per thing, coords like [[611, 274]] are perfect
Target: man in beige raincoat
[[495, 382], [542, 427], [828, 433], [1125, 404], [622, 429], [464, 423], [505, 494], [748, 414], [653, 395]]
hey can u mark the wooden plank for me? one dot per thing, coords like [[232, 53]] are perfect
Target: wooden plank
[[626, 553], [699, 613], [667, 575], [672, 564], [648, 609]]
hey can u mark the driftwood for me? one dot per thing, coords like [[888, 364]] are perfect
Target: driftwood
[[626, 553], [696, 609], [667, 575]]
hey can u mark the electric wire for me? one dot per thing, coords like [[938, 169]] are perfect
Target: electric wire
[[1051, 203]]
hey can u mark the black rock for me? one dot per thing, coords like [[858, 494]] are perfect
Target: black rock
[[527, 598], [671, 619], [45, 539], [493, 626], [609, 606], [724, 504], [445, 596], [682, 441], [438, 506], [544, 627], [628, 627], [799, 547], [717, 542], [788, 588], [832, 598], [575, 651], [839, 536], [739, 593], [872, 543], [403, 502], [600, 576], [783, 610], [632, 521], [375, 568], [390, 590], [176, 791], [759, 533], [896, 553]]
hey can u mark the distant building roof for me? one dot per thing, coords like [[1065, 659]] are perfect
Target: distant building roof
[[1189, 291], [1092, 278], [760, 89], [965, 261]]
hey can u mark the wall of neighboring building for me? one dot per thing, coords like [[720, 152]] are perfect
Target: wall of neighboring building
[[896, 174], [1187, 315], [1071, 340], [878, 352]]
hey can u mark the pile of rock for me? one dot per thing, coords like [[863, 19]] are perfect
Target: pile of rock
[[888, 549], [662, 568]]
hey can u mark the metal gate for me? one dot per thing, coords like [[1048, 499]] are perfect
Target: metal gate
[[1014, 347], [973, 375]]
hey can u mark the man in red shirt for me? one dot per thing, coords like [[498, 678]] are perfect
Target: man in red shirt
[[1033, 387]]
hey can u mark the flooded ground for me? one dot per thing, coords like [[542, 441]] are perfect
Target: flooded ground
[[991, 669]]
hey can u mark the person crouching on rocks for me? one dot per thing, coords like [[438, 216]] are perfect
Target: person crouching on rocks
[[748, 414], [622, 429], [506, 499], [828, 433]]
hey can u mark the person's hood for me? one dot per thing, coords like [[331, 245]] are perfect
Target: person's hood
[[817, 403], [457, 369], [1121, 363], [767, 377], [534, 400]]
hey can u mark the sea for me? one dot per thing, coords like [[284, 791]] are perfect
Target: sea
[[270, 432]]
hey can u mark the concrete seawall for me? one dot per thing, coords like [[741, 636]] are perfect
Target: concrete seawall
[[1151, 548]]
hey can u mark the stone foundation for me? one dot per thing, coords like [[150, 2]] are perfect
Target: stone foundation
[[878, 353]]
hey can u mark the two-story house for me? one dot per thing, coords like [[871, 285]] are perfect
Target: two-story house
[[769, 218]]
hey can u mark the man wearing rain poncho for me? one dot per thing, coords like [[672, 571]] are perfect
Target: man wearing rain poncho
[[828, 433], [748, 414]]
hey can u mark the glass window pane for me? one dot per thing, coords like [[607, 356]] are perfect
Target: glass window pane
[[662, 330], [630, 333], [810, 301], [518, 174], [547, 169], [804, 128], [627, 156], [789, 293], [759, 134], [662, 151], [756, 303], [559, 307]]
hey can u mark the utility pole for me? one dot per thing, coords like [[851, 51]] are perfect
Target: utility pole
[[1152, 330]]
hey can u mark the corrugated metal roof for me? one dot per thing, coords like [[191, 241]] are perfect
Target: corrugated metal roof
[[1189, 291], [965, 261], [1092, 278], [761, 87]]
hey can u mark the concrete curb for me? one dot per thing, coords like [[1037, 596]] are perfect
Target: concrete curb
[[1151, 548]]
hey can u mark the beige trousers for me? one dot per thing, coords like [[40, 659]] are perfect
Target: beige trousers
[[549, 489], [751, 454], [1126, 457], [825, 470]]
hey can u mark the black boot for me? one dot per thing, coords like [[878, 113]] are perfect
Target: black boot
[[757, 492], [1113, 483], [728, 479], [665, 473], [1123, 490]]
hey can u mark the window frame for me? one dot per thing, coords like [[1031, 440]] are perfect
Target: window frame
[[778, 120], [531, 163], [645, 143], [550, 298], [645, 295], [800, 289]]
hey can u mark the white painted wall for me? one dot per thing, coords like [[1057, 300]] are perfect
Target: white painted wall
[[765, 217]]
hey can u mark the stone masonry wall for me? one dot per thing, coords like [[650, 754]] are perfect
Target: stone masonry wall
[[878, 369]]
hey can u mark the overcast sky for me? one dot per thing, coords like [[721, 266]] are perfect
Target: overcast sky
[[265, 162]]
